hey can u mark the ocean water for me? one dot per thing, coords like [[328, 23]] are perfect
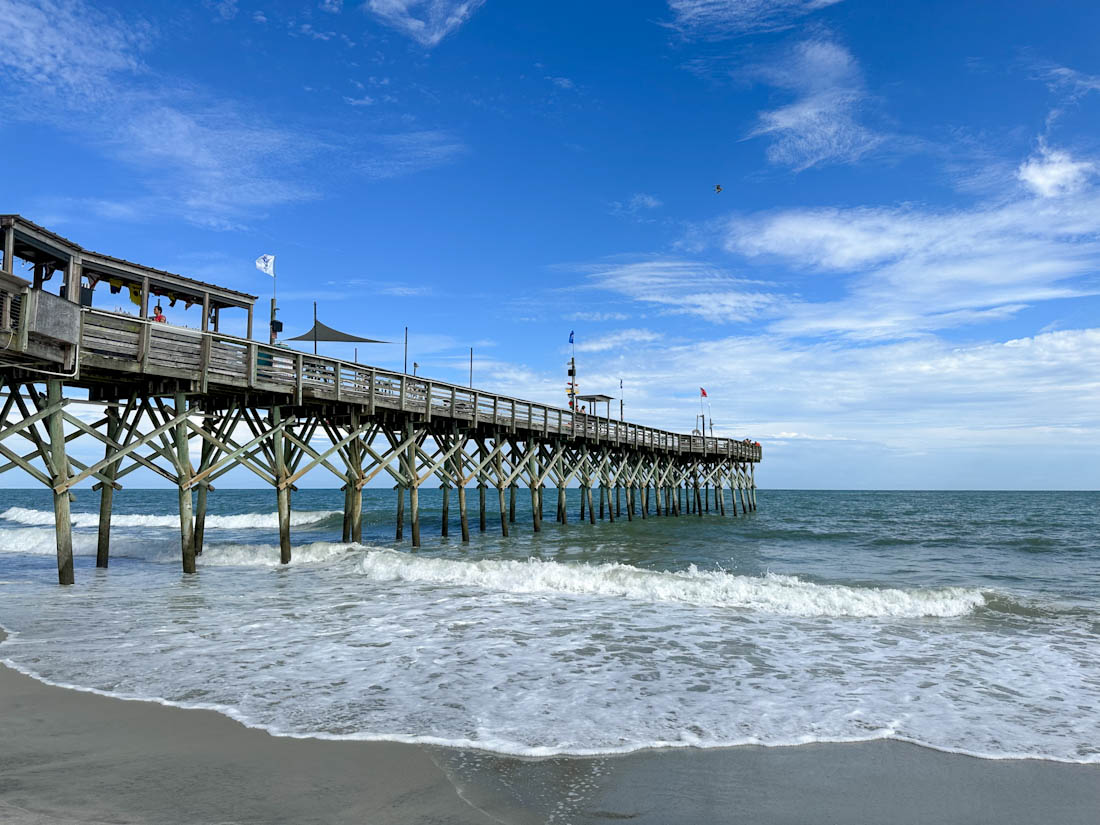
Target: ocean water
[[966, 622]]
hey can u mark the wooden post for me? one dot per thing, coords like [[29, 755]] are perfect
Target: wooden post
[[458, 471], [400, 511], [183, 461], [500, 493], [503, 513], [698, 498], [733, 492], [200, 514], [618, 510], [719, 496], [445, 521], [563, 514], [532, 466], [345, 531], [584, 501], [9, 255], [512, 503], [282, 490], [357, 503], [603, 495], [481, 503], [63, 525], [203, 491], [643, 500], [591, 509], [414, 487], [107, 491]]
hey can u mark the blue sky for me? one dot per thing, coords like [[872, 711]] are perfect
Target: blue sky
[[897, 286]]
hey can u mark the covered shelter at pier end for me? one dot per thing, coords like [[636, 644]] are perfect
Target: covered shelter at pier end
[[595, 399], [84, 274]]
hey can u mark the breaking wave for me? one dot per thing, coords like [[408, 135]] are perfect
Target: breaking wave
[[244, 521], [771, 593]]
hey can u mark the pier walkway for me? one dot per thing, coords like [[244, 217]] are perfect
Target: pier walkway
[[193, 404]]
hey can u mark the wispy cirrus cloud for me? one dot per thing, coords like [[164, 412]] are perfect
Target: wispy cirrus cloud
[[636, 206], [906, 271], [822, 124], [425, 21], [618, 339], [712, 19], [387, 156], [686, 287], [209, 159]]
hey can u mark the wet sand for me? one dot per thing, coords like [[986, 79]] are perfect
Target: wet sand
[[75, 757]]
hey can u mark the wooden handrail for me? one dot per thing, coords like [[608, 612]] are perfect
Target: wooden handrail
[[407, 391]]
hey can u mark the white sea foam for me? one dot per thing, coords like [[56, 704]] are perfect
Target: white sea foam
[[771, 593], [37, 541], [243, 521]]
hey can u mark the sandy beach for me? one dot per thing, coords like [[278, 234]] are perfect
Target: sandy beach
[[75, 757]]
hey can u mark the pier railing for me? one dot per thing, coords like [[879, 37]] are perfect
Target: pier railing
[[113, 341]]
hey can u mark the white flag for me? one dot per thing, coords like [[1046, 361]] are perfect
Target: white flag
[[266, 264]]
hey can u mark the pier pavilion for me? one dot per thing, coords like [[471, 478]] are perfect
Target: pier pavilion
[[191, 404]]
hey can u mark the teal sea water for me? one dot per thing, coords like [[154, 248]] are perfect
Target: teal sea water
[[963, 621]]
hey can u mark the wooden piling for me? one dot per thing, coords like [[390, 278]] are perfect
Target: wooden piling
[[414, 486], [400, 512], [63, 524], [618, 511], [533, 469], [512, 503], [591, 509], [107, 491], [446, 518], [183, 462], [603, 495], [202, 492], [345, 531]]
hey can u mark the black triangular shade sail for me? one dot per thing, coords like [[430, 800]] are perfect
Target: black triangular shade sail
[[321, 332]]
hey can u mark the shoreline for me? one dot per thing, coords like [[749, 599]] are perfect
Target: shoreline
[[75, 756]]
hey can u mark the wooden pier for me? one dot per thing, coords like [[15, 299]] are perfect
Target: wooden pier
[[192, 404]]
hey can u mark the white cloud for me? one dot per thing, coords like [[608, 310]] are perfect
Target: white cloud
[[821, 125], [225, 9], [596, 316], [619, 340], [636, 205], [365, 100], [211, 160], [425, 21], [686, 287], [914, 270], [1053, 172], [332, 6], [711, 19], [562, 82], [388, 156]]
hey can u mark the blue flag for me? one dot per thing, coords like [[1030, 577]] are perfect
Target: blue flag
[[570, 336]]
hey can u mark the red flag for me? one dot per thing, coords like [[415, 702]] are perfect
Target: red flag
[[702, 393]]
